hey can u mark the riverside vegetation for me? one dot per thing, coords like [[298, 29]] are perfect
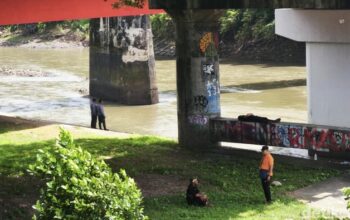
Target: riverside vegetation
[[245, 33]]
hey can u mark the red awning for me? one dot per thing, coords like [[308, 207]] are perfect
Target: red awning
[[32, 11]]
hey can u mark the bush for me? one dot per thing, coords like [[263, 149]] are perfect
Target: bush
[[163, 26], [248, 25], [230, 21], [80, 25], [130, 3], [346, 192], [41, 27], [80, 186]]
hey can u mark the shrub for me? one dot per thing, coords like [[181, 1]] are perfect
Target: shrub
[[163, 26], [80, 186], [346, 192], [41, 27], [244, 25], [130, 3], [230, 21], [80, 25]]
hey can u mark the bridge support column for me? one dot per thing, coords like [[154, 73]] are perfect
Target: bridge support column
[[198, 76], [327, 37], [122, 60]]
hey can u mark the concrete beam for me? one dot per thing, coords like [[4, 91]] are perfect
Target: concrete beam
[[322, 26], [232, 4]]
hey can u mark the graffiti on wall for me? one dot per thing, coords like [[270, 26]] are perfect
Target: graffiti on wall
[[209, 44], [129, 34], [282, 135], [200, 120], [208, 70], [212, 86], [201, 103]]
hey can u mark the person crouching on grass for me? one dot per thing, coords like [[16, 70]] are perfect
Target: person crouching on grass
[[194, 196], [266, 172]]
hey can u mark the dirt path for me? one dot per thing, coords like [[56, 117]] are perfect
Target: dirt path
[[326, 196]]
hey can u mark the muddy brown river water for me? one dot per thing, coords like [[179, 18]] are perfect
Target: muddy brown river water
[[55, 89]]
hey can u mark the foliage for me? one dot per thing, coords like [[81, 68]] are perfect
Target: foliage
[[82, 187], [41, 27], [81, 25], [131, 3], [346, 192], [230, 21], [249, 24], [163, 26]]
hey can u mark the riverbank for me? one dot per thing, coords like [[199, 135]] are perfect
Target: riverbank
[[56, 38], [161, 170], [277, 50]]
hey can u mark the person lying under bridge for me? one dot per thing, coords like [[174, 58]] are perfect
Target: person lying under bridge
[[253, 118]]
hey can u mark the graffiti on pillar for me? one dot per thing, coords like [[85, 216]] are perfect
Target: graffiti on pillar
[[208, 70], [210, 78], [198, 120], [214, 103], [282, 135], [132, 35], [201, 103], [209, 44], [212, 86]]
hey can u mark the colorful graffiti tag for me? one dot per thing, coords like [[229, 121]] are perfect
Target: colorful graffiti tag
[[209, 44], [282, 135]]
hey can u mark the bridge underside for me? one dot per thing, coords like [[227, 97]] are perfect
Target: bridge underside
[[229, 4], [198, 72], [32, 11]]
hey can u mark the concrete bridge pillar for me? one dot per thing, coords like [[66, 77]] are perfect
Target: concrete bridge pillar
[[198, 76], [122, 60], [327, 37]]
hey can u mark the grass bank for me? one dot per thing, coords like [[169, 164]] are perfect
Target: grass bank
[[162, 170]]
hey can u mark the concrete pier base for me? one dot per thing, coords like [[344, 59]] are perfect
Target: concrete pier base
[[198, 76], [327, 37], [122, 60]]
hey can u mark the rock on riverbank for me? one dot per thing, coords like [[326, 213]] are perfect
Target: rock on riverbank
[[8, 71]]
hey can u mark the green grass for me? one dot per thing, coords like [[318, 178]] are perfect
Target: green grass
[[231, 183]]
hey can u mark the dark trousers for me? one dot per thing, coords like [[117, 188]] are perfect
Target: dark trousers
[[102, 121], [93, 121], [266, 186]]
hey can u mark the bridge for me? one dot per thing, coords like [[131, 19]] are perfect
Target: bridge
[[323, 24]]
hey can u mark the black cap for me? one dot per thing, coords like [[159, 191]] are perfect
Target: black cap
[[264, 148]]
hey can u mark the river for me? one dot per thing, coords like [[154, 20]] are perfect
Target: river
[[56, 91]]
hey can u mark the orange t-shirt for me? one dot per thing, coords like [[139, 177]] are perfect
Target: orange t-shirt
[[267, 163]]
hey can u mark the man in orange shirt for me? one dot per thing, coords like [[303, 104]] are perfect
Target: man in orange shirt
[[266, 172]]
